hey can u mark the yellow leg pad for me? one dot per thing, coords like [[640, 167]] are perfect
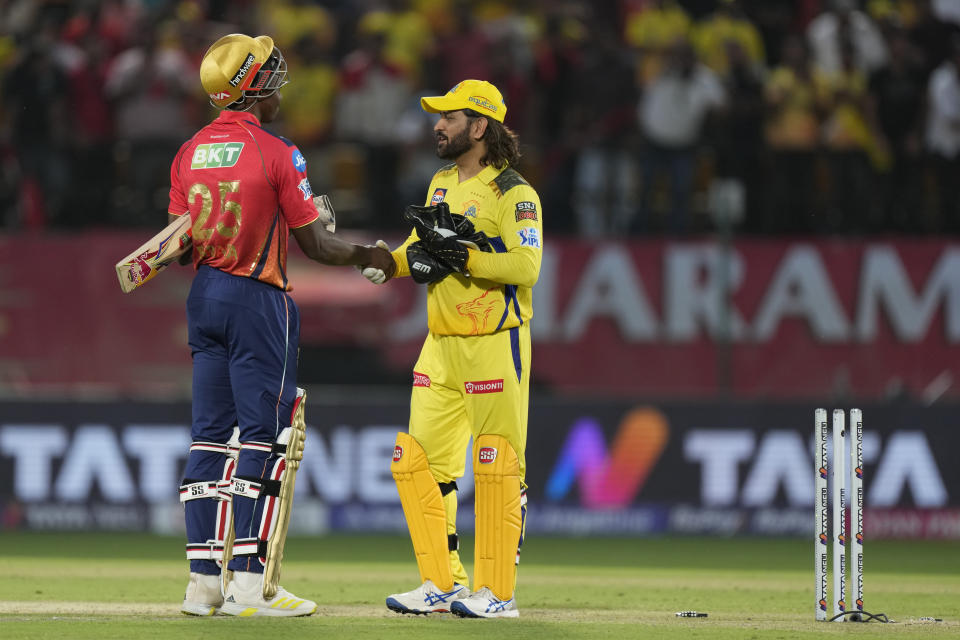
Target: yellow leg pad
[[424, 509], [496, 469]]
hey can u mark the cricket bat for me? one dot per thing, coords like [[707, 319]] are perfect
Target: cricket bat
[[155, 254]]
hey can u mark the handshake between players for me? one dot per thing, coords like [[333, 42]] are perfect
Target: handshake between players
[[443, 246]]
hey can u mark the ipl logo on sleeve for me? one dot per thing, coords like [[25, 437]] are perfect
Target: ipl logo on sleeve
[[438, 196], [529, 237], [304, 187]]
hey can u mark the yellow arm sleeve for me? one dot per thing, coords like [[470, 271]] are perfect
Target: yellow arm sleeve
[[520, 229], [520, 266], [400, 255]]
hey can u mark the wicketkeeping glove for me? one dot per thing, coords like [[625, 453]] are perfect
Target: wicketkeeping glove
[[426, 268], [435, 224], [451, 253], [432, 223]]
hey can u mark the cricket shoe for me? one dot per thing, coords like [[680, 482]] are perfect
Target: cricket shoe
[[203, 596], [427, 598], [483, 604], [244, 598]]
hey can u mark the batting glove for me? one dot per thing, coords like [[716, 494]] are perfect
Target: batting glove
[[327, 217], [374, 275]]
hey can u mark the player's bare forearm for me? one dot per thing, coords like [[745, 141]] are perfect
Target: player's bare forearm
[[324, 247]]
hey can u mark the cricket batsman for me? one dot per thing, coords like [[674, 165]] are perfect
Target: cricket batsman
[[477, 246], [246, 190]]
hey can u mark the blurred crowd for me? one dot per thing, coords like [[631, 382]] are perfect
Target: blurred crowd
[[635, 116]]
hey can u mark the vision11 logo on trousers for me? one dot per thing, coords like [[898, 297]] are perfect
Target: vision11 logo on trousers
[[609, 478]]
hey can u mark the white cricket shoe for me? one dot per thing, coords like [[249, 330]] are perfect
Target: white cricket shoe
[[203, 596], [244, 598], [426, 598], [483, 604]]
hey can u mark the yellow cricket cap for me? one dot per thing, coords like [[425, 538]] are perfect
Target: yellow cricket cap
[[479, 95], [230, 65]]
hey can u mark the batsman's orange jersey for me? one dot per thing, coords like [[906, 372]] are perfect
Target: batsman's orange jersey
[[244, 189], [497, 295]]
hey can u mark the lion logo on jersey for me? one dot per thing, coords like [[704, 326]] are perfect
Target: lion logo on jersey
[[478, 310]]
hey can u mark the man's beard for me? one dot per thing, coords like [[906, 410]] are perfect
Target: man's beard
[[455, 147]]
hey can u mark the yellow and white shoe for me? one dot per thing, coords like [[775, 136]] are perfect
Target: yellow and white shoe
[[244, 599], [203, 596]]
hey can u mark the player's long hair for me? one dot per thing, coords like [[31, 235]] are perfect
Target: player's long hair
[[503, 146]]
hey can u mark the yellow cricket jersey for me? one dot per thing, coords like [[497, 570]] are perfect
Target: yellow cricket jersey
[[497, 295]]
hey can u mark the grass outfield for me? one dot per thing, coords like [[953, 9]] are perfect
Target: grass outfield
[[130, 586]]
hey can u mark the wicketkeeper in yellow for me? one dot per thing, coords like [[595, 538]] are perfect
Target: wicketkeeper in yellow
[[477, 247]]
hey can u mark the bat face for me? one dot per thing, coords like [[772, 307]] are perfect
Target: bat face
[[155, 254]]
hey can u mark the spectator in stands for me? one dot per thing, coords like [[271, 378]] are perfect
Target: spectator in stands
[[559, 55], [290, 21], [309, 103], [408, 39], [897, 91], [929, 34], [792, 133], [151, 86], [463, 52], [602, 124], [844, 23], [942, 137], [727, 27], [775, 19], [739, 137], [849, 138], [672, 112], [652, 31], [35, 100], [373, 91], [90, 132]]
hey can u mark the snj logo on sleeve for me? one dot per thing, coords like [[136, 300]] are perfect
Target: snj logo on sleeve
[[397, 453], [421, 379], [304, 187], [216, 155], [526, 210], [486, 455], [438, 196], [529, 237], [484, 386]]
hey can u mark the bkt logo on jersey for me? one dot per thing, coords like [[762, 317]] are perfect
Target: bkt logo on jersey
[[216, 155], [304, 187], [438, 196], [299, 162], [529, 237]]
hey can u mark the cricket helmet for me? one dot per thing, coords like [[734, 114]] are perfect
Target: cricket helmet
[[238, 66]]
